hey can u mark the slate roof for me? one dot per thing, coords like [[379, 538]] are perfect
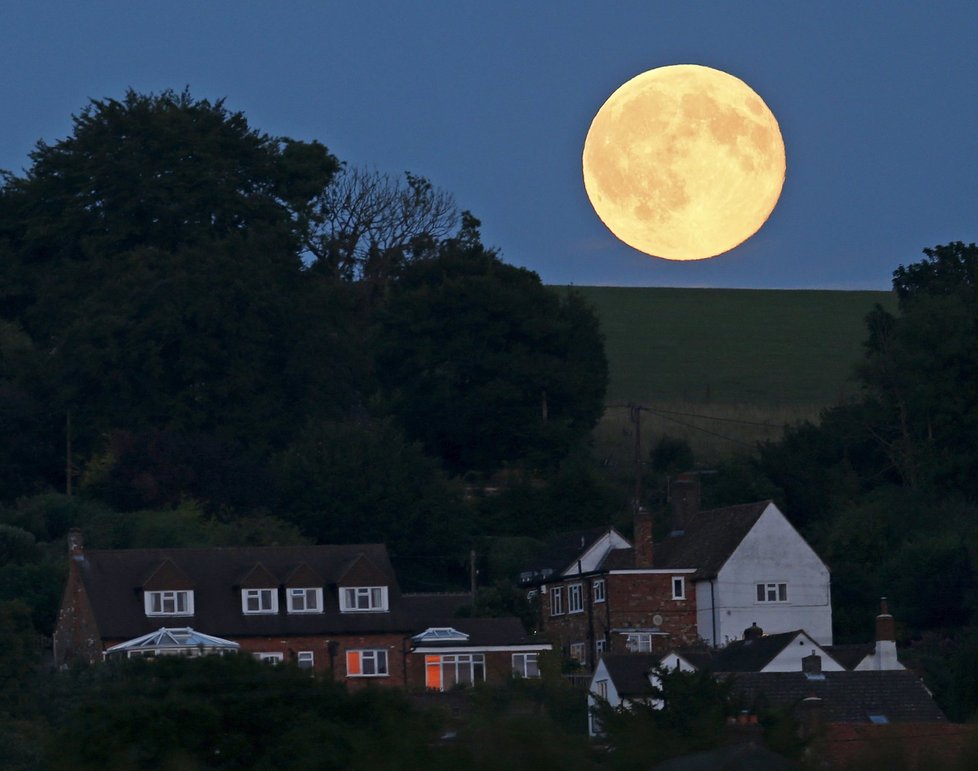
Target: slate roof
[[629, 671], [709, 539], [849, 656], [753, 655], [845, 697], [482, 632], [560, 550], [114, 580]]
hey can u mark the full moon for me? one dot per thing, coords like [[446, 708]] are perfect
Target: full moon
[[684, 162]]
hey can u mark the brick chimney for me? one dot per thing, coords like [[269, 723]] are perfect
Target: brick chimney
[[643, 538], [684, 495], [886, 653], [812, 666]]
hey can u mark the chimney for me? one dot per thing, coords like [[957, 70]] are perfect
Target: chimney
[[753, 632], [76, 543], [643, 538], [811, 666], [886, 653], [684, 495]]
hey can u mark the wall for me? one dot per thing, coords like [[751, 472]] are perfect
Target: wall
[[773, 551]]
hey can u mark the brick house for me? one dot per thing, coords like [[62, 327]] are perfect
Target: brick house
[[716, 574], [332, 609]]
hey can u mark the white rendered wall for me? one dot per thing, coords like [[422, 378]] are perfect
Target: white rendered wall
[[772, 552], [789, 659]]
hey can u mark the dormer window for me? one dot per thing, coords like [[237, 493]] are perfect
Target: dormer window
[[356, 599], [169, 603], [255, 601], [305, 600]]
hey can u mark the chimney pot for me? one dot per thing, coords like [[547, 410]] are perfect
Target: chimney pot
[[885, 626]]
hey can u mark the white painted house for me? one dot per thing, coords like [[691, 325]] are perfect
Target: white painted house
[[752, 568]]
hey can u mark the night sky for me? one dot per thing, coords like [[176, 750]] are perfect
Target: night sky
[[877, 102]]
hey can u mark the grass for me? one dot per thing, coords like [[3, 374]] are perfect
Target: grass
[[751, 360]]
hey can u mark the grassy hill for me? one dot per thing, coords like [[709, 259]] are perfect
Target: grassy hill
[[726, 367]]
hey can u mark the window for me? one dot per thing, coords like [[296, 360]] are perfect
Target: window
[[557, 601], [773, 592], [639, 643], [575, 598], [526, 665], [600, 646], [447, 671], [577, 652], [601, 689], [363, 598], [366, 663], [270, 658], [305, 659], [678, 588], [176, 603], [305, 600], [598, 590], [259, 601]]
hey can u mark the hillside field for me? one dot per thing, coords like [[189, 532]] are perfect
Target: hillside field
[[726, 367]]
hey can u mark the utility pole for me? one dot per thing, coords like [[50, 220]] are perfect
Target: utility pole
[[472, 575], [68, 453], [635, 413]]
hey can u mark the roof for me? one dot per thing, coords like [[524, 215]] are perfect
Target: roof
[[630, 671], [738, 757], [850, 656], [560, 550], [845, 697], [752, 655], [709, 539], [114, 580], [483, 632], [174, 639]]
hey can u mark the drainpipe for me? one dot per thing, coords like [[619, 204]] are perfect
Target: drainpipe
[[713, 612]]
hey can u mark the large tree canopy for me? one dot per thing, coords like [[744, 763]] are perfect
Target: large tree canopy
[[152, 258], [483, 364], [921, 371]]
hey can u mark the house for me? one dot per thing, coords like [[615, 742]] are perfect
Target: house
[[716, 574], [789, 670], [333, 609]]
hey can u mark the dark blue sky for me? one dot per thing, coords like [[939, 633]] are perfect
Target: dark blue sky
[[877, 101]]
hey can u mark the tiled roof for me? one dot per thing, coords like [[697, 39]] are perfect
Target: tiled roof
[[752, 655], [114, 578], [629, 671], [560, 550], [709, 539], [850, 655], [845, 697]]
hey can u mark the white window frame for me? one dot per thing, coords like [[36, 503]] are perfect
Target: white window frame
[[302, 593], [363, 599], [575, 598], [679, 583], [600, 646], [305, 659], [266, 601], [578, 652], [156, 602], [270, 657], [374, 659], [772, 592], [526, 665], [598, 590], [473, 664], [638, 642], [601, 689], [556, 600]]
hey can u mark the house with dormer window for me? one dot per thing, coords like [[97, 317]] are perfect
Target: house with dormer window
[[333, 609]]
